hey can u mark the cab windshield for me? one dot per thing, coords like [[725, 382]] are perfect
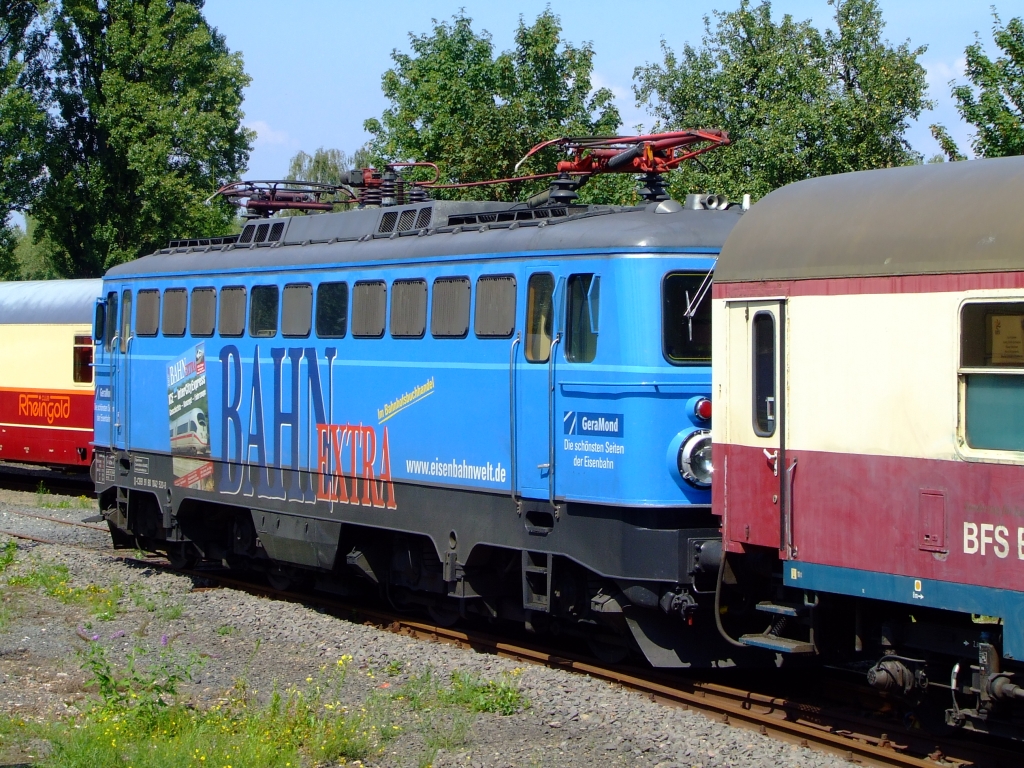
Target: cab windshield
[[686, 317]]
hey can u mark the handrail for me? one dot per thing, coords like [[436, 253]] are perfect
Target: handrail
[[512, 411], [551, 419]]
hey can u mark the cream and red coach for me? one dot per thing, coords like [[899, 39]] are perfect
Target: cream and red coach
[[868, 380], [46, 381]]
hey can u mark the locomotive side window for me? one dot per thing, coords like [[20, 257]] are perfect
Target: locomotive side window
[[147, 313], [108, 341], [297, 310], [495, 306], [126, 320], [449, 308], [82, 360], [204, 311], [175, 311], [539, 310], [992, 371], [232, 311], [582, 317], [263, 311], [408, 309], [369, 304], [686, 318], [331, 310], [764, 374]]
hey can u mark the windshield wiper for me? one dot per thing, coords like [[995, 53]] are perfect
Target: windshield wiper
[[692, 305]]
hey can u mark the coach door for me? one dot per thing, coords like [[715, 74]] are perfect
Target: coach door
[[534, 367], [757, 474]]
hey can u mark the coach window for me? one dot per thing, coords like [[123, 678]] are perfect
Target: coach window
[[204, 311], [175, 311], [583, 293], [495, 307], [263, 311], [108, 341], [147, 313], [232, 311], [369, 307], [992, 372], [297, 310], [686, 318], [126, 320], [449, 308], [408, 309], [764, 374], [331, 310], [82, 360], [539, 300]]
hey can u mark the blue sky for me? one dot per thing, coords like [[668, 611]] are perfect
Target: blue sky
[[316, 65]]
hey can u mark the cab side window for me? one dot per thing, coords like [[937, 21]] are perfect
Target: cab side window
[[111, 321], [992, 375], [539, 314], [583, 293]]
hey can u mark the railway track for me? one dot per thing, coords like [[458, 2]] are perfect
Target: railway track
[[795, 719]]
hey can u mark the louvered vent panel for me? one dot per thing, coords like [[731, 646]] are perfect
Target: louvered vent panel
[[369, 300], [387, 222], [261, 233], [247, 234], [406, 221], [449, 310], [495, 306], [275, 232], [423, 220], [408, 308]]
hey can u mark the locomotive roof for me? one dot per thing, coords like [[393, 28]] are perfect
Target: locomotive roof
[[51, 302], [925, 219], [487, 230]]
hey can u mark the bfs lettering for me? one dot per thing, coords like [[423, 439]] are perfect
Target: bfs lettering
[[987, 538]]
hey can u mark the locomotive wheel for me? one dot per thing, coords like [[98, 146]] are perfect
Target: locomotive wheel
[[182, 557], [280, 579], [443, 615], [608, 653]]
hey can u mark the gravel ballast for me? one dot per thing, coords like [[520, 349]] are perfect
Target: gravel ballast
[[570, 720]]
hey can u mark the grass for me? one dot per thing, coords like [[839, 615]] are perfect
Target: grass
[[47, 501], [8, 554], [138, 721], [226, 630], [55, 581]]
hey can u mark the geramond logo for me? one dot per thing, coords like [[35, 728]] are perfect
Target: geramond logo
[[49, 407], [602, 424]]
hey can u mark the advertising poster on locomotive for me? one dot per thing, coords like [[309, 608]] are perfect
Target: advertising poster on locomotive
[[189, 420]]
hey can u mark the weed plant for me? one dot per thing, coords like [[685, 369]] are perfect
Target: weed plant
[[55, 581], [8, 554]]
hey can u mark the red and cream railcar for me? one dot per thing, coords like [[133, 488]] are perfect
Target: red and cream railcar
[[46, 379], [868, 378]]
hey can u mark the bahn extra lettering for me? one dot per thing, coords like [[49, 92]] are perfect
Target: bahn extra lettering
[[985, 538], [347, 463], [42, 406]]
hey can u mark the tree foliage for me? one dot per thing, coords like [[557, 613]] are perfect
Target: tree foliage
[[146, 101], [455, 103], [797, 102], [993, 101]]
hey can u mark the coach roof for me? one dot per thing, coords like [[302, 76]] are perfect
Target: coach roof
[[924, 219], [52, 302], [597, 229]]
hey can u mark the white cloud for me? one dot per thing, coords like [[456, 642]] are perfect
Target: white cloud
[[625, 100], [939, 73], [267, 135]]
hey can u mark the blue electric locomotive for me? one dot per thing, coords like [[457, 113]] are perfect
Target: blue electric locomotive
[[476, 408]]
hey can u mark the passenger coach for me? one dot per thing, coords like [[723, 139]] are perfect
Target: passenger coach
[[474, 407], [869, 426], [46, 376]]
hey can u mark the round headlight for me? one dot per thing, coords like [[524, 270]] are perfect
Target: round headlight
[[695, 459]]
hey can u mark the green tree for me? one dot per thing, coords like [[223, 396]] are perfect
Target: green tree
[[797, 102], [23, 118], [993, 101], [455, 103], [147, 102]]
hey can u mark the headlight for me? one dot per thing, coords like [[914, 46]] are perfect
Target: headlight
[[695, 459]]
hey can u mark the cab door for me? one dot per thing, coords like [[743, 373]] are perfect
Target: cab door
[[120, 354], [756, 478], [535, 366]]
